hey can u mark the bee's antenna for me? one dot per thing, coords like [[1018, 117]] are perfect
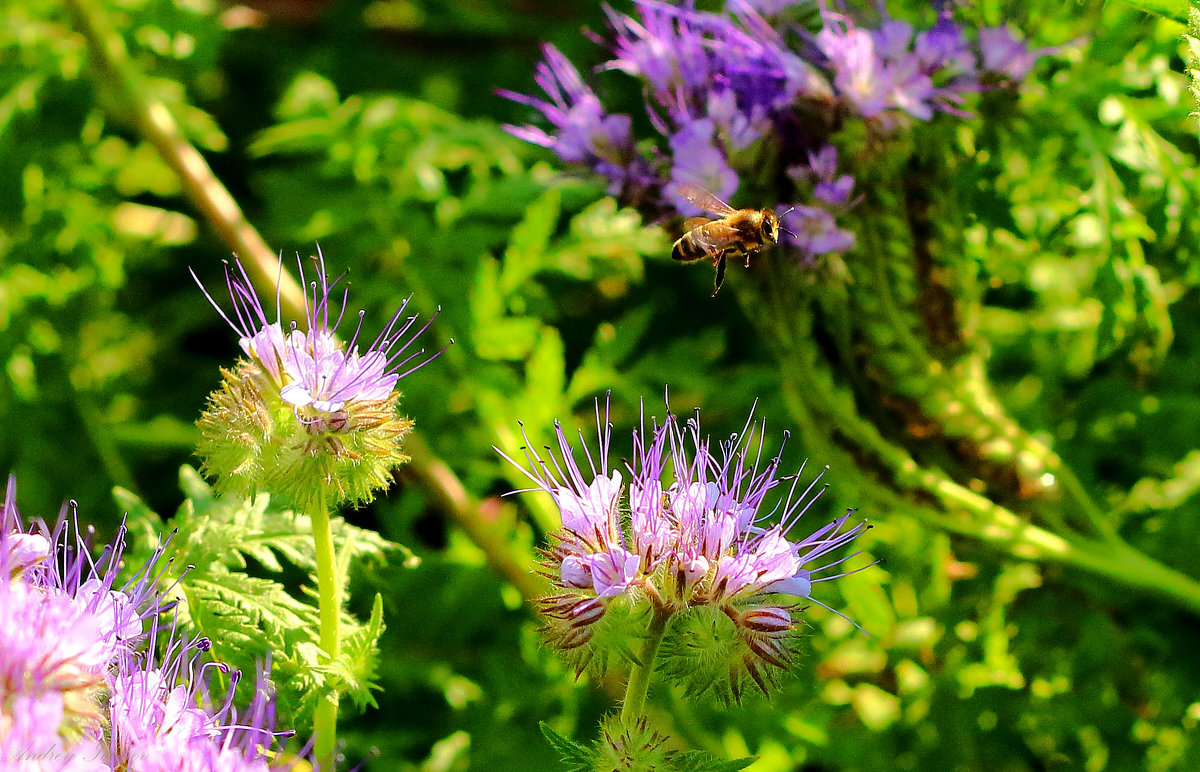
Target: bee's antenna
[[785, 230]]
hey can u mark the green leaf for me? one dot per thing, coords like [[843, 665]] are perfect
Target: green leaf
[[528, 242], [578, 758], [360, 657], [700, 761], [249, 618], [1191, 40], [495, 335], [545, 376], [1176, 10]]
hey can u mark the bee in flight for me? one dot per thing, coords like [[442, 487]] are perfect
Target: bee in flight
[[737, 232]]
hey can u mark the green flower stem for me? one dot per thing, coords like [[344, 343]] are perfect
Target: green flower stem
[[329, 604], [634, 705], [219, 209], [966, 384]]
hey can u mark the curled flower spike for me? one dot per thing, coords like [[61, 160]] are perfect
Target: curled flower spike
[[305, 408], [706, 533]]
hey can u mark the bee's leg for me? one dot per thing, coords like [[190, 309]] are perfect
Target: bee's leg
[[747, 258], [720, 274]]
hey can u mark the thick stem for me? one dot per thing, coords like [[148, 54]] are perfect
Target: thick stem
[[638, 687], [329, 604]]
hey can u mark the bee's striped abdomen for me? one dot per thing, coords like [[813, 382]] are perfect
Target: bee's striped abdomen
[[686, 250]]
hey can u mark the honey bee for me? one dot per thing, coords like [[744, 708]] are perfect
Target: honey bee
[[737, 232]]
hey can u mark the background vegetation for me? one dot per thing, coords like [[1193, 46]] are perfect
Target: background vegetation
[[372, 129]]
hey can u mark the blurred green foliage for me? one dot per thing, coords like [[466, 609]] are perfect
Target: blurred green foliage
[[371, 128]]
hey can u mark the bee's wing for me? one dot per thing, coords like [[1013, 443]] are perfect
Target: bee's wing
[[715, 237], [692, 223], [701, 198]]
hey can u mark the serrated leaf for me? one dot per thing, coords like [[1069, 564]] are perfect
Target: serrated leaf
[[700, 761], [578, 758], [528, 242], [495, 335], [360, 658], [249, 618], [1192, 54]]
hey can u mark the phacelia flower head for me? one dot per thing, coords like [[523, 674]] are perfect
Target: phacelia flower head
[[81, 688], [584, 132], [162, 717], [305, 407], [738, 98], [704, 533], [62, 623]]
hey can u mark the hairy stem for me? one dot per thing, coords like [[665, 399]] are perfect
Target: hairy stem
[[329, 605], [634, 705]]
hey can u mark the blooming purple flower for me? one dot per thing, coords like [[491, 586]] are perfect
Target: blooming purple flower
[[727, 91], [830, 188], [944, 47], [698, 161], [77, 693], [814, 231], [860, 77], [585, 132], [311, 366], [701, 536], [1003, 54], [157, 724], [342, 438]]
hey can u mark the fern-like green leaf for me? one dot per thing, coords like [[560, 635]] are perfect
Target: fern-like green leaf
[[699, 761], [578, 758], [360, 658], [218, 551]]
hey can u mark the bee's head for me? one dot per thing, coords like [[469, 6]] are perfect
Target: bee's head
[[770, 227]]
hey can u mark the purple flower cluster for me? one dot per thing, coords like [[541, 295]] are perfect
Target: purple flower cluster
[[725, 90], [312, 368], [308, 413], [686, 526], [80, 686]]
